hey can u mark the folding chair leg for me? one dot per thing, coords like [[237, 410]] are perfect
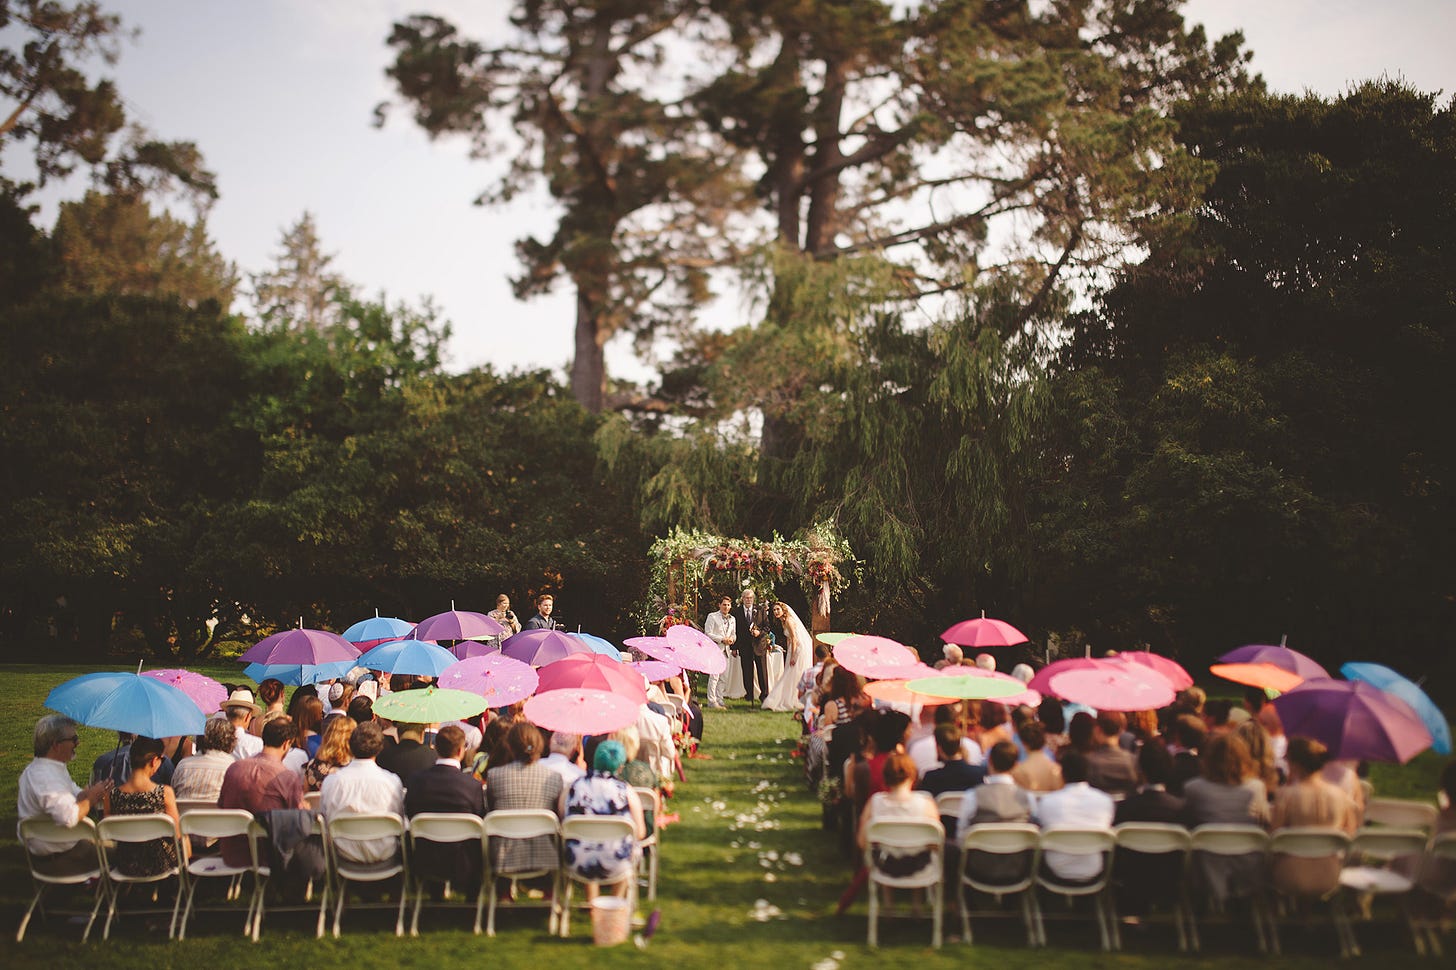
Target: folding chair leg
[[937, 915], [419, 891], [403, 899], [1101, 907], [1418, 939], [101, 894], [323, 908], [966, 913], [1114, 928], [1269, 933], [566, 909], [480, 902], [25, 920], [110, 912], [185, 895], [343, 891], [874, 934], [176, 906]]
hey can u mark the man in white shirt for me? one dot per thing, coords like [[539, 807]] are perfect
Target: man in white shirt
[[361, 787], [926, 755], [565, 757], [240, 710], [722, 629], [1075, 805], [47, 789]]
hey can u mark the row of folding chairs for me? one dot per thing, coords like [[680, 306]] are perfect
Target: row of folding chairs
[[1364, 869], [208, 823]]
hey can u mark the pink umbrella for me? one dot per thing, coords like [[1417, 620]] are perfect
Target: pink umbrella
[[1042, 681], [1112, 686], [541, 647], [581, 711], [1166, 666], [909, 671], [861, 654], [205, 692], [457, 625], [684, 647], [1280, 656], [984, 633], [300, 646], [494, 676], [593, 672], [655, 670]]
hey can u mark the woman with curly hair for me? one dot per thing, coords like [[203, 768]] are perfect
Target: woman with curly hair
[[333, 752]]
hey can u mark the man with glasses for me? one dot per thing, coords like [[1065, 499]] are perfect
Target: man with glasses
[[46, 788]]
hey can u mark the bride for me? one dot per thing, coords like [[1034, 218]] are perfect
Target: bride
[[799, 652]]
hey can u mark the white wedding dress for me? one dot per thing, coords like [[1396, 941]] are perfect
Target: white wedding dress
[[784, 694]]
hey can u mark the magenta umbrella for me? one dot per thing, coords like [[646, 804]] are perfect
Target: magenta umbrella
[[494, 676], [457, 625], [593, 672], [861, 654], [1354, 720], [541, 647], [205, 692], [983, 632], [581, 711], [683, 647], [465, 649], [655, 670], [1169, 668], [1280, 656], [1112, 686], [1042, 681], [300, 646]]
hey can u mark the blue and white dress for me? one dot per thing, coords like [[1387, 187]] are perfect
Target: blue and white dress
[[600, 794]]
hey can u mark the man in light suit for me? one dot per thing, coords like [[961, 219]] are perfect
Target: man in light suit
[[751, 622]]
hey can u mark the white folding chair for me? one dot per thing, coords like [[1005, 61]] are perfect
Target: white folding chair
[[1311, 843], [1368, 871], [948, 803], [42, 830], [649, 845], [443, 827], [131, 829], [1240, 841], [185, 805], [603, 829], [1402, 813], [1007, 839], [1155, 839], [1442, 854], [343, 870], [523, 823], [221, 823], [1069, 841], [888, 838], [311, 800]]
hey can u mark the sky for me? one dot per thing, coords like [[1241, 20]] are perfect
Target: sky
[[280, 94]]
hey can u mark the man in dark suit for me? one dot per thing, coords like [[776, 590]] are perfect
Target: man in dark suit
[[1144, 879], [410, 754], [955, 772], [444, 787], [751, 646]]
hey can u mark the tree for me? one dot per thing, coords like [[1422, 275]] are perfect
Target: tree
[[641, 189], [66, 117], [299, 291]]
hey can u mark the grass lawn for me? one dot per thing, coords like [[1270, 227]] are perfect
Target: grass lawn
[[746, 819]]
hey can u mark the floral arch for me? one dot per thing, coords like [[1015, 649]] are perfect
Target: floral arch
[[688, 565]]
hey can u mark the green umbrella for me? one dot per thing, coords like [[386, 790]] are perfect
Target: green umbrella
[[966, 687], [831, 638], [429, 705]]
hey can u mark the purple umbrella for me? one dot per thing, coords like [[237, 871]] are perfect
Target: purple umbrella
[[1280, 656], [457, 625], [494, 676], [541, 647], [1354, 720], [465, 649], [300, 646], [205, 692]]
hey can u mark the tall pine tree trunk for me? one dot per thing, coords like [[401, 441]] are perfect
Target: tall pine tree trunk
[[589, 366]]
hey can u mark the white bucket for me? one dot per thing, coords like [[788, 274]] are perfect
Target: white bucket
[[611, 918]]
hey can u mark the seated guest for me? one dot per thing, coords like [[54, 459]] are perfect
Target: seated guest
[[952, 656], [1109, 767], [115, 764], [898, 801], [1152, 802], [410, 755], [306, 726], [1261, 752], [565, 756], [1142, 728], [1438, 875], [925, 752], [954, 773], [361, 708], [1188, 734], [270, 692], [637, 773], [600, 792], [240, 710], [1228, 793], [1217, 715], [997, 798], [1036, 771], [1309, 800], [517, 780], [46, 789], [139, 795], [333, 752], [1144, 878], [1080, 732], [1075, 805], [1054, 719], [260, 784], [444, 787], [340, 694], [199, 778], [361, 787]]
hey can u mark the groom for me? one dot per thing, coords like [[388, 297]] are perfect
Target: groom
[[751, 622]]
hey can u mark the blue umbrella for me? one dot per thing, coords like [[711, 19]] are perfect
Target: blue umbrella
[[377, 629], [295, 674], [598, 645], [407, 657], [127, 702], [1381, 676]]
